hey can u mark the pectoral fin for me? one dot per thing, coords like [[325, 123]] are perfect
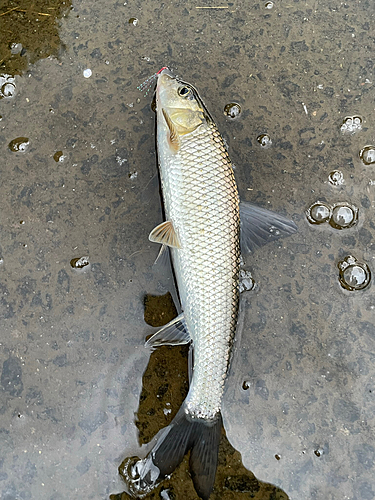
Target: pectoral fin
[[173, 138], [165, 234], [260, 226]]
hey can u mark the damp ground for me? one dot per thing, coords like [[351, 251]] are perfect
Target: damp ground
[[291, 87]]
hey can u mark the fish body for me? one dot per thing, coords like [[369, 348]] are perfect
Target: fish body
[[201, 201], [205, 230]]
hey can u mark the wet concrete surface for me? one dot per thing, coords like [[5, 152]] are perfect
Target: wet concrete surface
[[299, 404]]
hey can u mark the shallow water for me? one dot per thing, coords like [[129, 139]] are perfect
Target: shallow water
[[82, 183]]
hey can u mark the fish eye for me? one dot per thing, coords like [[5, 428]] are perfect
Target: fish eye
[[184, 91]]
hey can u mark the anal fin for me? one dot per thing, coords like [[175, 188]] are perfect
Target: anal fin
[[173, 333]]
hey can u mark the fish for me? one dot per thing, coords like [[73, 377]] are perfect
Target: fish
[[206, 230]]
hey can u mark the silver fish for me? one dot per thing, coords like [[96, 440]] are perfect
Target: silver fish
[[204, 219]]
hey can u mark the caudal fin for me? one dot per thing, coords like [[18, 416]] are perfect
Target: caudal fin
[[182, 435], [203, 457]]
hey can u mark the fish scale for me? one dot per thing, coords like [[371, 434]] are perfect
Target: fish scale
[[202, 202]]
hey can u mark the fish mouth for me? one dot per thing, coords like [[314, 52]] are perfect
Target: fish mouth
[[163, 84], [168, 72], [164, 76]]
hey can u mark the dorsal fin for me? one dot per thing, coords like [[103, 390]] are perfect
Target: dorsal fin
[[174, 138], [259, 226], [165, 234]]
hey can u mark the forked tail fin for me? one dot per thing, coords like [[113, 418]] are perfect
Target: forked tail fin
[[184, 433]]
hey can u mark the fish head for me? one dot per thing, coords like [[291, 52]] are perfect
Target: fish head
[[179, 102]]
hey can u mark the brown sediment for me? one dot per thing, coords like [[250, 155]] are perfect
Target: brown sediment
[[34, 25]]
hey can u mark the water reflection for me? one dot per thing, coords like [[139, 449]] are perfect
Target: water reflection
[[7, 86], [351, 125], [354, 275], [232, 110], [265, 141], [336, 178], [367, 155], [19, 145], [339, 215]]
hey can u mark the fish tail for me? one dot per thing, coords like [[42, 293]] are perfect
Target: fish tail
[[185, 433]]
